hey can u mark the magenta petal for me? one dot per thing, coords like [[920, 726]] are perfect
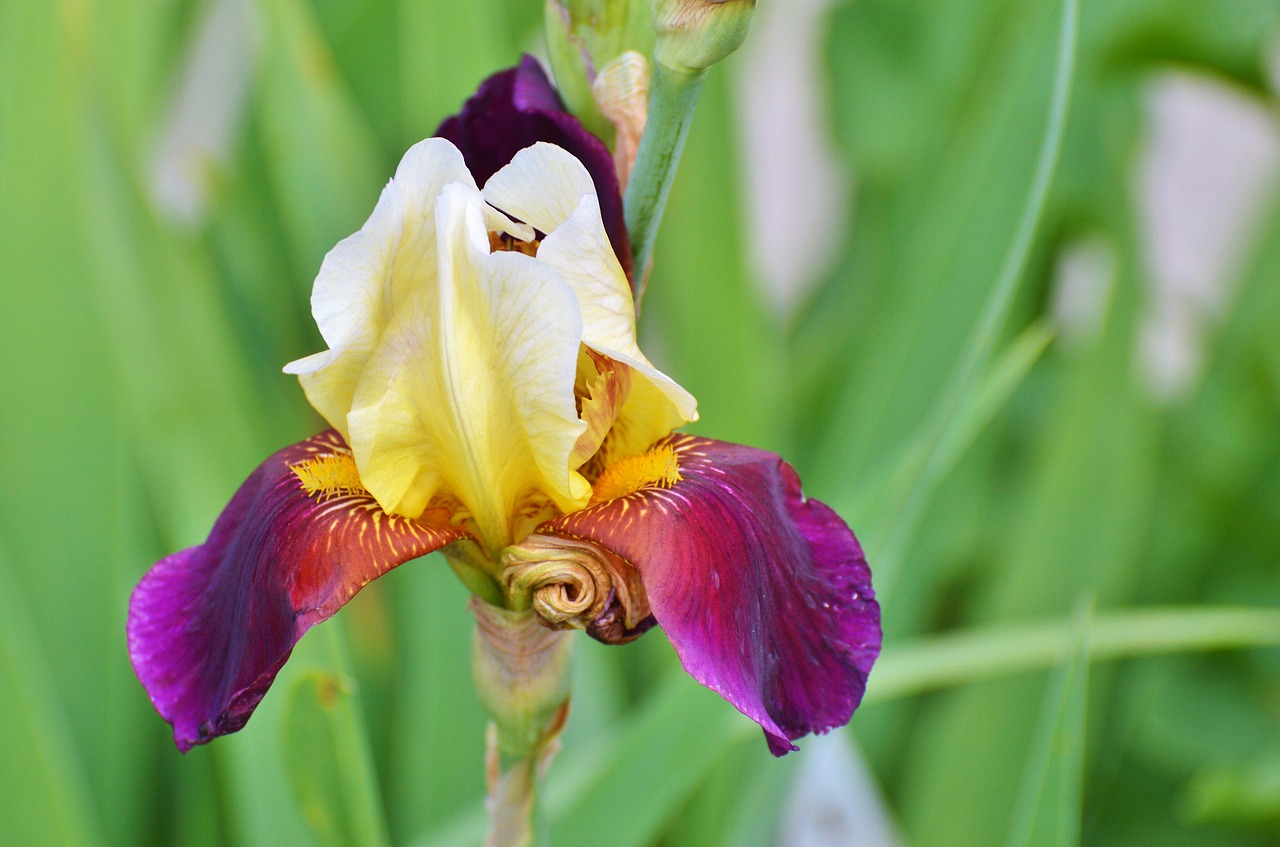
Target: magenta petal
[[209, 627], [516, 108], [765, 595]]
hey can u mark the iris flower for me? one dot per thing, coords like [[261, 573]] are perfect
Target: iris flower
[[486, 394]]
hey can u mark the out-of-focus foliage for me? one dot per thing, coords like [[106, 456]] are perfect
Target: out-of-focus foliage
[[139, 371]]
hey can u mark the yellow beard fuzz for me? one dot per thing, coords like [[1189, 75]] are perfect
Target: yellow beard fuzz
[[330, 476], [659, 467]]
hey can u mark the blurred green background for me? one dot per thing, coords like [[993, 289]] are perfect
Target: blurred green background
[[1055, 425]]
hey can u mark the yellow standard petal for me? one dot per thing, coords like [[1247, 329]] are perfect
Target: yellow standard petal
[[470, 391], [550, 189], [470, 361], [451, 368]]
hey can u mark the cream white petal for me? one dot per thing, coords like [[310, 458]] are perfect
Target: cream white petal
[[542, 186], [365, 277], [307, 364], [451, 368], [580, 250]]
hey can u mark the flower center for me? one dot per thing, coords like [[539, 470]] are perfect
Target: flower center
[[502, 241], [657, 467]]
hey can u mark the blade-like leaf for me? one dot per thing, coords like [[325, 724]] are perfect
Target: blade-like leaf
[[949, 411], [43, 783], [323, 161], [983, 653], [1048, 807], [623, 786], [904, 493], [325, 751]]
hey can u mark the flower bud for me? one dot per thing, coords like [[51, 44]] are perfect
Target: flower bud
[[695, 34]]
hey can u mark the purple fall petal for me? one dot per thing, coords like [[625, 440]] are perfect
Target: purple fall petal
[[765, 595], [210, 627], [516, 108]]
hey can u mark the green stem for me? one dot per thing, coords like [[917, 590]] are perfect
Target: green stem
[[673, 97]]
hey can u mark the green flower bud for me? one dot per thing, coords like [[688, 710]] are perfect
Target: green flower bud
[[692, 35]]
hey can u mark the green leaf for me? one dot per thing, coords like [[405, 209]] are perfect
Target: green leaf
[[739, 804], [625, 784], [631, 778], [46, 798], [326, 753], [978, 654], [1244, 794], [704, 320], [305, 745], [959, 391], [1049, 803], [323, 161], [628, 785], [447, 49], [434, 766], [937, 250], [927, 458], [996, 305]]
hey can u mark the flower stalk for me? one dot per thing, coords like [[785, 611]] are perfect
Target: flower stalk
[[692, 35], [673, 97], [487, 397]]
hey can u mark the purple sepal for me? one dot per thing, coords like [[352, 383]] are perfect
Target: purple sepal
[[210, 627], [518, 107], [766, 596]]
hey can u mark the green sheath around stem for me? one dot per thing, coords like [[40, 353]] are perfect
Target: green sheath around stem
[[521, 670]]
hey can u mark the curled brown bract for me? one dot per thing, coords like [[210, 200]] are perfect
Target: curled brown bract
[[572, 583]]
